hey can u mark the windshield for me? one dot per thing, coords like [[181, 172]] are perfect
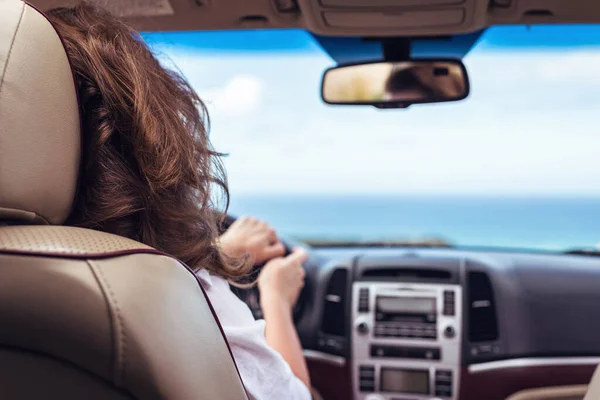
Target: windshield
[[515, 165]]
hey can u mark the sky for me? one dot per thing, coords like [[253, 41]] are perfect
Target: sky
[[529, 127]]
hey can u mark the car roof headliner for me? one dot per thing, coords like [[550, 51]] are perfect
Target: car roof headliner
[[177, 15]]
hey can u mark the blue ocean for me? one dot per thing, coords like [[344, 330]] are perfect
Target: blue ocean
[[548, 223]]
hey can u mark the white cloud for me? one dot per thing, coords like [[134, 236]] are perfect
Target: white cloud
[[568, 67], [239, 97], [530, 126]]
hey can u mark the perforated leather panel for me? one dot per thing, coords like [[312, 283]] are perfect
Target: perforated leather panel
[[60, 240]]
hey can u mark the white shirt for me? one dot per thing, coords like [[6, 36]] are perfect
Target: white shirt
[[266, 375]]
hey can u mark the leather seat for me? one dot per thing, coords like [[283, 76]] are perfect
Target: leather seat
[[83, 314]]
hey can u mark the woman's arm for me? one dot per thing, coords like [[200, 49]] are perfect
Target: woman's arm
[[280, 331], [280, 283], [281, 335]]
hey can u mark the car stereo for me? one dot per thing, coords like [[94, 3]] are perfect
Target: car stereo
[[405, 317], [406, 340]]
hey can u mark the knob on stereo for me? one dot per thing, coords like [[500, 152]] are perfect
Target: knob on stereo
[[449, 332], [362, 328]]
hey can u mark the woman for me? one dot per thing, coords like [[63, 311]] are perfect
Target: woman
[[406, 84], [149, 173]]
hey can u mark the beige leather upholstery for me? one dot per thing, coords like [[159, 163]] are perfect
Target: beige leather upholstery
[[573, 392], [39, 118], [83, 314], [123, 318], [593, 392]]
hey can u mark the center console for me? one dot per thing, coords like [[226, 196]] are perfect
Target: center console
[[406, 340]]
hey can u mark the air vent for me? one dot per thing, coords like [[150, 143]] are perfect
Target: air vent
[[407, 273], [483, 324], [334, 311]]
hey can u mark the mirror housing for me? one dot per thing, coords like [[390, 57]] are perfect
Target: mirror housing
[[387, 84]]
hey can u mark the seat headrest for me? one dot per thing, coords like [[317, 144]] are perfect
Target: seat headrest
[[40, 142]]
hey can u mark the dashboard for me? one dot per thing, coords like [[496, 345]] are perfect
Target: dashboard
[[422, 324]]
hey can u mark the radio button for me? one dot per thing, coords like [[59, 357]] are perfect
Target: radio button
[[391, 331], [443, 393], [449, 302], [363, 300], [443, 377], [430, 333], [414, 332], [449, 311], [367, 388], [366, 376], [443, 383]]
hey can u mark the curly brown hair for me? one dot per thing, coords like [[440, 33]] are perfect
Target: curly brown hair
[[149, 171]]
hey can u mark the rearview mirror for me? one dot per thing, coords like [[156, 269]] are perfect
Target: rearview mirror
[[396, 84]]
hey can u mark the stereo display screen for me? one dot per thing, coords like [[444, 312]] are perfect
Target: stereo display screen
[[406, 305], [404, 381]]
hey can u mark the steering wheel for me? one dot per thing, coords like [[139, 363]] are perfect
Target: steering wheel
[[251, 296]]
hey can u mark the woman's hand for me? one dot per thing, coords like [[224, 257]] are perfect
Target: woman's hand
[[250, 236], [281, 280], [279, 283]]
